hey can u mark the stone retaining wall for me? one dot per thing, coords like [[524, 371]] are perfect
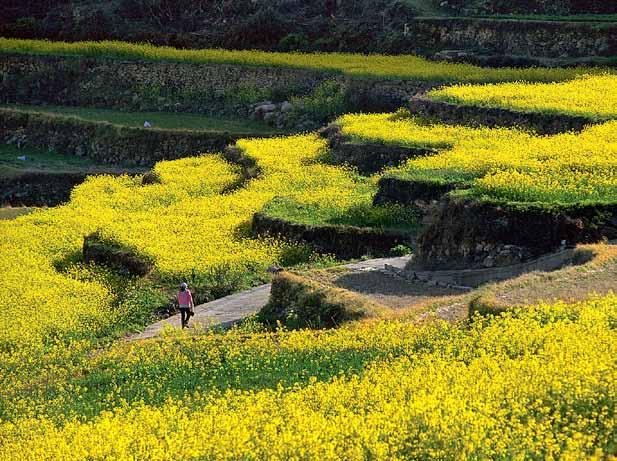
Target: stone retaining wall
[[344, 241], [392, 189], [477, 277], [368, 158], [372, 158], [543, 123], [550, 7], [38, 189], [180, 86], [550, 39], [468, 233], [105, 142]]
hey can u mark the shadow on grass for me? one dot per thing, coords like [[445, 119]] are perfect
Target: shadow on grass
[[387, 285]]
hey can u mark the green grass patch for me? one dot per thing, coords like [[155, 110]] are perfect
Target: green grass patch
[[608, 18], [386, 217], [426, 7], [13, 159], [163, 120]]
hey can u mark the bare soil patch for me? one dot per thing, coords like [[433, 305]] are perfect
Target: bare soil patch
[[390, 290]]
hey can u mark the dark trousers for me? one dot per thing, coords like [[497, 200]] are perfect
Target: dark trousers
[[185, 315]]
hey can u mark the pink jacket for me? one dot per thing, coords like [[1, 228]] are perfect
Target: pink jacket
[[185, 298]]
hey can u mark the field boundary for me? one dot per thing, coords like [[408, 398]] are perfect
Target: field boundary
[[344, 241], [228, 311], [472, 278], [476, 115], [106, 142]]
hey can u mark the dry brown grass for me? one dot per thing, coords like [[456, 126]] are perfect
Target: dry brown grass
[[299, 302], [594, 272]]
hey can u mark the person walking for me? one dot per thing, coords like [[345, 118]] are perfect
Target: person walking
[[185, 300]]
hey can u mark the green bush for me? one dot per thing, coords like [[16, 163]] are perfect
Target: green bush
[[328, 100], [220, 281], [293, 42], [400, 250]]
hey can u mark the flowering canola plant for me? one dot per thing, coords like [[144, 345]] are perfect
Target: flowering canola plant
[[507, 164], [535, 383], [594, 96], [374, 65], [190, 222]]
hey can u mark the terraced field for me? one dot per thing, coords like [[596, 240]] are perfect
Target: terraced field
[[506, 164], [377, 66], [520, 379], [200, 232], [163, 120], [591, 96]]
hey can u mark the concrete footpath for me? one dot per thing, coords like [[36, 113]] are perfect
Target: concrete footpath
[[229, 310]]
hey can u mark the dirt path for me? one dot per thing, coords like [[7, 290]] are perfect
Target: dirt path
[[231, 309]]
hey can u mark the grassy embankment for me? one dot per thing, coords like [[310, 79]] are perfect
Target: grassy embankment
[[8, 213], [163, 120]]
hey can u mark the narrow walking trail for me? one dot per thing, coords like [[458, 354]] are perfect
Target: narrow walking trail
[[226, 311]]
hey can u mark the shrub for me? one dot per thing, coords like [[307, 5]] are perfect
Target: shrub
[[294, 42], [327, 100], [298, 302], [400, 250]]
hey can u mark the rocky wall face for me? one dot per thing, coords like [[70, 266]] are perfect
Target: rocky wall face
[[217, 89], [540, 122], [524, 38], [143, 86], [38, 189], [372, 158], [346, 242], [556, 7], [411, 192], [465, 233]]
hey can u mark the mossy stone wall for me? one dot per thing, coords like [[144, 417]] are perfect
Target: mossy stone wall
[[346, 242], [464, 232], [105, 142], [543, 123], [218, 89], [548, 39]]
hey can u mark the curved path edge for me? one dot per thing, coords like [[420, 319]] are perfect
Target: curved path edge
[[227, 311]]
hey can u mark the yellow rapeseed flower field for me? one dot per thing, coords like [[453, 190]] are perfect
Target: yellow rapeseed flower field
[[538, 383], [374, 65], [503, 163], [184, 224], [593, 96]]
